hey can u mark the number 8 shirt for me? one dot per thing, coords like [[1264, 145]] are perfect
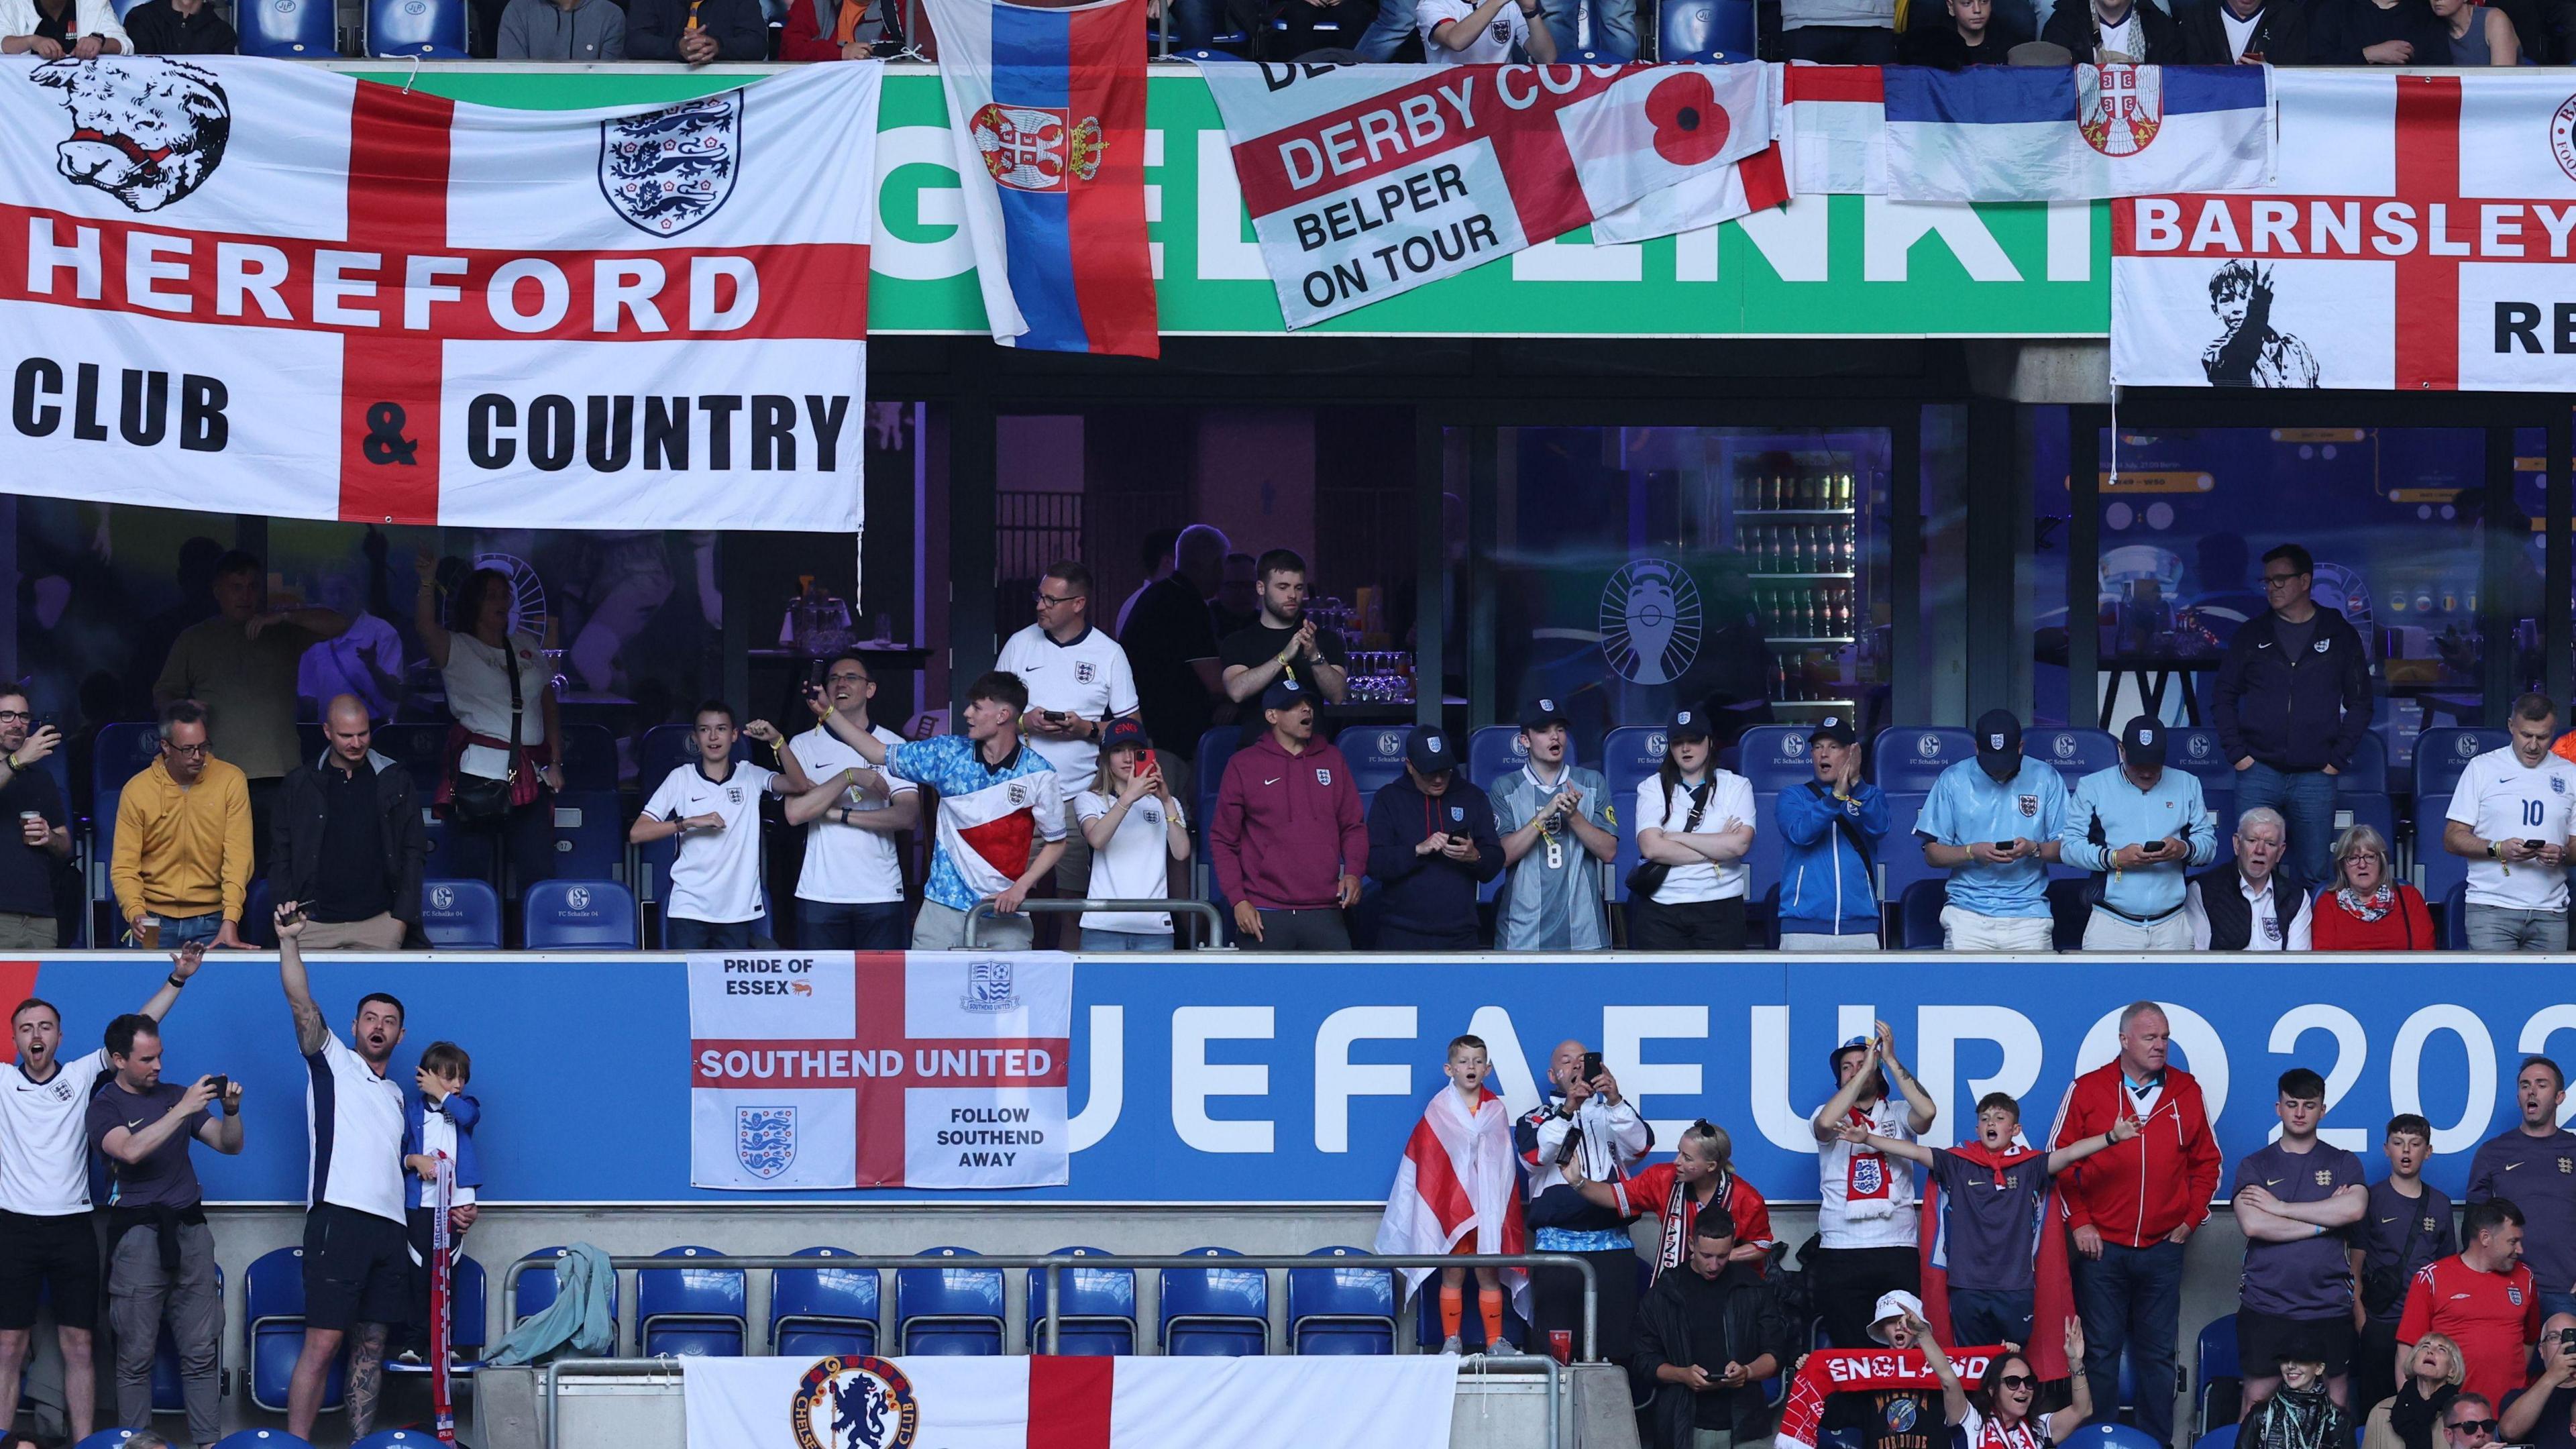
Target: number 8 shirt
[[2502, 799]]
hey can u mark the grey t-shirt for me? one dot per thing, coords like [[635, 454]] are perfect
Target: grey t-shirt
[[2310, 1278], [1552, 907], [2293, 637], [1991, 1219], [165, 1177]]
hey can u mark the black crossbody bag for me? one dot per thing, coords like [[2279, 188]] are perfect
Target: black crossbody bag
[[1648, 877]]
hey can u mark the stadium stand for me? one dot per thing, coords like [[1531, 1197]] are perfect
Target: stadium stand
[[823, 1310], [952, 1312]]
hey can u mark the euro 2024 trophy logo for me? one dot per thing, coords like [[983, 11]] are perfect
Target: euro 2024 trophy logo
[[854, 1403]]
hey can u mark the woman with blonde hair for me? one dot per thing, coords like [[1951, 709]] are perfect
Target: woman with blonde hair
[[2412, 1418], [1137, 837], [2366, 908]]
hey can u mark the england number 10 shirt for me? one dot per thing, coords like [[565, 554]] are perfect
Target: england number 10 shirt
[[2501, 800], [716, 876], [44, 1149]]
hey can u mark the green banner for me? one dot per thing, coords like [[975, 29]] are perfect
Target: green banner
[[1839, 266]]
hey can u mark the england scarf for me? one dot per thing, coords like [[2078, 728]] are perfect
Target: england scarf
[[1458, 1186], [1833, 1371]]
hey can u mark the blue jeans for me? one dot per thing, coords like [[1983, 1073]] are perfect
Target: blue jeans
[[1614, 26], [1984, 1315], [679, 933], [2306, 799], [2131, 1300], [1098, 940], [841, 926], [178, 931]]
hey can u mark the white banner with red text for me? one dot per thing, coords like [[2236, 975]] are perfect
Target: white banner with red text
[[2416, 238], [1275, 1402], [821, 1069], [250, 286], [1365, 181]]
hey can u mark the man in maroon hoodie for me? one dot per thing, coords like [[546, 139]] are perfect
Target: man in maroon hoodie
[[1289, 839], [2132, 1207]]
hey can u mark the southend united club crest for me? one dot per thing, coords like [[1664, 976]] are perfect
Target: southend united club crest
[[1036, 148], [854, 1403], [764, 1139], [667, 170], [2119, 108], [988, 987]]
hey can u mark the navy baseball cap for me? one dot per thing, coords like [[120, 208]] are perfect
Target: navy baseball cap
[[1282, 693], [1998, 736], [1122, 732], [1688, 724], [1835, 727], [2144, 740], [1538, 714], [1429, 751]]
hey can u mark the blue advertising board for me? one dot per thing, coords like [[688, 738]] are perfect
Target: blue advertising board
[[1243, 1078]]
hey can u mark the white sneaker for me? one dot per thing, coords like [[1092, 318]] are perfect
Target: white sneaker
[[1452, 1346]]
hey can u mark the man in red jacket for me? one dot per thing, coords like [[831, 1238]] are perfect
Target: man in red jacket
[[1289, 839], [2132, 1208]]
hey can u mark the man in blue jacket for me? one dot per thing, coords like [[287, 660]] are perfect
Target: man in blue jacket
[[2292, 702], [1833, 825], [2139, 826], [1431, 844]]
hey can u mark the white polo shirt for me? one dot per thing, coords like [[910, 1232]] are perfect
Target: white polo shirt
[[355, 1121], [1136, 865], [44, 1152], [1089, 677], [845, 865], [716, 877]]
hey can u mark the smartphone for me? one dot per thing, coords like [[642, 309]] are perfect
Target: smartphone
[[286, 917], [2005, 846], [815, 671], [2152, 847], [2567, 1340], [1145, 763], [1591, 1065], [2535, 844], [222, 1084]]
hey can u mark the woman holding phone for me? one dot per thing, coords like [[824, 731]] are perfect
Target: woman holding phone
[[1136, 833]]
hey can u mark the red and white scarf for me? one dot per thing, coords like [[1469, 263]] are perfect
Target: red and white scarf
[[1832, 1371]]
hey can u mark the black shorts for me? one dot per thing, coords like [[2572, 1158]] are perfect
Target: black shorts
[[2264, 1339], [357, 1269], [56, 1252]]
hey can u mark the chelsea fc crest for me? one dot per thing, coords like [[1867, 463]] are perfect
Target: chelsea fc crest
[[764, 1139], [667, 170], [854, 1403]]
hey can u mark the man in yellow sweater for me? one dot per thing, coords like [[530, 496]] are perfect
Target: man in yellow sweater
[[182, 861]]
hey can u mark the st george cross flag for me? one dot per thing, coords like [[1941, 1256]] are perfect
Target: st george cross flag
[[2417, 238], [1275, 1402], [1457, 1189], [256, 287], [939, 1069], [2037, 133], [1046, 110], [1366, 181]]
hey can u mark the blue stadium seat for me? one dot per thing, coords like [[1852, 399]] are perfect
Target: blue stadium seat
[[468, 1329], [1628, 755], [2110, 1436], [273, 1308], [823, 1311], [1215, 1312], [1774, 758], [2075, 753], [579, 915], [418, 748], [2360, 807], [1697, 29], [536, 1290], [454, 852], [1347, 1309], [1911, 757], [105, 1438], [120, 751], [398, 1438], [590, 843], [2214, 1373], [1099, 1308], [2195, 750], [2369, 772], [948, 1312], [168, 1394], [688, 1311], [589, 757], [288, 29], [261, 1439], [461, 915], [2437, 871], [2455, 916], [1762, 861], [1900, 855], [1918, 915], [2222, 1437], [2440, 756], [2069, 908], [1376, 753], [1493, 752], [2221, 806]]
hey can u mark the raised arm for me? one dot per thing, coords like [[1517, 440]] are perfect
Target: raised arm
[[2122, 1129], [1954, 1395], [424, 607], [310, 1033], [1859, 1136], [133, 1144], [2063, 1424], [1920, 1110], [183, 964], [1827, 1123]]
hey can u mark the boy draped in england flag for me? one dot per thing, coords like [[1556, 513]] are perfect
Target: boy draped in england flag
[[1458, 1191]]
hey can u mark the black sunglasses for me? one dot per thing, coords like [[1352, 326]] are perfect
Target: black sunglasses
[[2476, 1426], [2017, 1381]]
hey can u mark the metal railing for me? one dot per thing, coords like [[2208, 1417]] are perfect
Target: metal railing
[[983, 911]]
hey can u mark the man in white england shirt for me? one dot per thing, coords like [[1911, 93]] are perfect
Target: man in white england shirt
[[849, 895], [45, 1233], [1078, 681], [2509, 817]]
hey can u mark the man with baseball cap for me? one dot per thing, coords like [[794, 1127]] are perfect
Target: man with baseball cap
[[1832, 825], [2138, 827], [1993, 822], [1288, 840], [1559, 834], [1431, 844]]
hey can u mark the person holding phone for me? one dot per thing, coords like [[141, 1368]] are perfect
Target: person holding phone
[[1078, 680], [1137, 834], [2138, 827], [2510, 818], [1587, 1126], [1432, 845], [1992, 822]]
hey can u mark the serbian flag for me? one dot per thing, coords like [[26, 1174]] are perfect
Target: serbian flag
[[1458, 1190], [2052, 1291], [1046, 107], [2031, 133]]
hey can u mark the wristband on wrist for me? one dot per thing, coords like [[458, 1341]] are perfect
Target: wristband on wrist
[[177, 982]]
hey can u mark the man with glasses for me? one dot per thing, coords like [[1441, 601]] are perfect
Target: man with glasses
[[2510, 816], [182, 862], [2291, 704], [849, 896], [29, 796], [1078, 681], [2246, 904]]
